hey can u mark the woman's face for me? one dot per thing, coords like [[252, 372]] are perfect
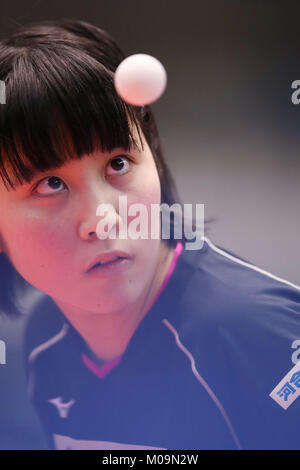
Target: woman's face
[[45, 228]]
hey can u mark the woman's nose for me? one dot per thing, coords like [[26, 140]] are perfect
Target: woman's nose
[[98, 215]]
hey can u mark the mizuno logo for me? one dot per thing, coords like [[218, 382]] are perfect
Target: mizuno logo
[[62, 408]]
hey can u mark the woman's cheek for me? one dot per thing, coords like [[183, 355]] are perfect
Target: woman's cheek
[[148, 189], [33, 240]]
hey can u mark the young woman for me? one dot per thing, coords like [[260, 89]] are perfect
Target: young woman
[[165, 347]]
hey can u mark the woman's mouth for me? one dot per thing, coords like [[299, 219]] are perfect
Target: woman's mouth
[[109, 268]]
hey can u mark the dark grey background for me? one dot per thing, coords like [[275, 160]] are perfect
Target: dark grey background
[[229, 130]]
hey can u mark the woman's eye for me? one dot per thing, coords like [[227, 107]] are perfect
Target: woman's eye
[[120, 165], [52, 184], [46, 185]]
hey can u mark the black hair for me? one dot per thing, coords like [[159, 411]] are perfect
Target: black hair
[[61, 104]]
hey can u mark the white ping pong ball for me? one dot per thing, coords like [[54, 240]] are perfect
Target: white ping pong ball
[[140, 79]]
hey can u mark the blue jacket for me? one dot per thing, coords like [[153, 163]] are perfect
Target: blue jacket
[[197, 373]]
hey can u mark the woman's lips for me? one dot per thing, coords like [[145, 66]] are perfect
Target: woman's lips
[[107, 256], [110, 268]]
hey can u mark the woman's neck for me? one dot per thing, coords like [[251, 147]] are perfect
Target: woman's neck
[[107, 336]]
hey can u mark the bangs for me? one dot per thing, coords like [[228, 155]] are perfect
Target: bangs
[[61, 104]]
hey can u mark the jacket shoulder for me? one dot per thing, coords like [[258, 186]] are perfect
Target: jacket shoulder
[[43, 322]]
